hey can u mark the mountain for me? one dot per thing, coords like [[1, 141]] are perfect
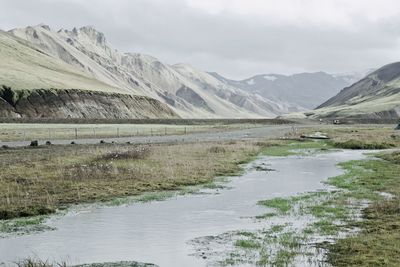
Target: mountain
[[36, 84], [297, 92], [189, 92], [375, 96]]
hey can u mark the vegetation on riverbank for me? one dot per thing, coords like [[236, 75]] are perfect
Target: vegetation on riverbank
[[361, 215], [38, 181], [378, 241], [41, 180], [33, 262]]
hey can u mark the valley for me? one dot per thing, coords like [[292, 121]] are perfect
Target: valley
[[199, 133], [118, 180]]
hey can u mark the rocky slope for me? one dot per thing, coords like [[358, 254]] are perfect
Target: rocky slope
[[375, 96], [297, 92], [79, 104], [24, 68], [189, 92]]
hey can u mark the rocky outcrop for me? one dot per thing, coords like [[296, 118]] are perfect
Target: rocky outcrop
[[79, 104], [192, 97]]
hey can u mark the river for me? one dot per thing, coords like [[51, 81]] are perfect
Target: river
[[160, 232]]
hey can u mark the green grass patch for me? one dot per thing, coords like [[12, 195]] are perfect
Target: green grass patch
[[293, 148], [282, 205], [247, 244]]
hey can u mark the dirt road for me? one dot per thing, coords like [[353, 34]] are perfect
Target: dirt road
[[269, 131]]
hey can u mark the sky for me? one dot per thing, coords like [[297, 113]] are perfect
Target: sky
[[236, 38]]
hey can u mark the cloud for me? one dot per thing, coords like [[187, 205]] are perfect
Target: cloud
[[237, 38]]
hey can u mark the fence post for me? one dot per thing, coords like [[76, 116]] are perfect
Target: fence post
[[118, 132], [94, 133], [185, 130], [49, 134], [76, 133]]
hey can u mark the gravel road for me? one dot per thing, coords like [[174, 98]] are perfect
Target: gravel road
[[268, 131]]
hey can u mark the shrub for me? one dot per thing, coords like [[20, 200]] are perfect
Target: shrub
[[217, 149], [34, 143], [140, 152]]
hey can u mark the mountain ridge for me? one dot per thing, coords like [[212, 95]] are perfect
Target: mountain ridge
[[88, 50], [299, 92]]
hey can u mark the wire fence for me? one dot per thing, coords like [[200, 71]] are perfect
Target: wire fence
[[44, 133]]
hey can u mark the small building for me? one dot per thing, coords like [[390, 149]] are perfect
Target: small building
[[336, 122], [398, 127]]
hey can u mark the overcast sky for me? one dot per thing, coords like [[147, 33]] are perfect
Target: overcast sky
[[237, 38]]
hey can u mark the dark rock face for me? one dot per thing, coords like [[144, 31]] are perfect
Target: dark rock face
[[78, 104], [192, 97]]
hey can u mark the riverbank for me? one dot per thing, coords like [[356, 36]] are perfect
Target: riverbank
[[354, 223], [86, 174], [38, 181]]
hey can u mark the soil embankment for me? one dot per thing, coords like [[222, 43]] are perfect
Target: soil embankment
[[79, 104]]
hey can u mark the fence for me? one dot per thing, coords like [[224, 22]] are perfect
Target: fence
[[21, 132]]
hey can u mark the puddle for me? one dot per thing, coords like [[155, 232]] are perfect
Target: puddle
[[163, 232]]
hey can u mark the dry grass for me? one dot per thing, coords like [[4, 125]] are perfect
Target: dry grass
[[372, 137], [32, 262], [39, 180]]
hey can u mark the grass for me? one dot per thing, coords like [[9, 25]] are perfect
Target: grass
[[378, 241], [38, 181], [283, 149], [56, 176], [33, 262], [358, 144], [247, 244], [282, 205], [364, 235], [367, 137]]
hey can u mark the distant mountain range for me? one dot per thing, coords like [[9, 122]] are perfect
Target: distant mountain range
[[375, 96], [39, 58], [301, 91]]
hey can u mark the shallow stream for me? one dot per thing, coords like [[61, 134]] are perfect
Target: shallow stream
[[161, 232]]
